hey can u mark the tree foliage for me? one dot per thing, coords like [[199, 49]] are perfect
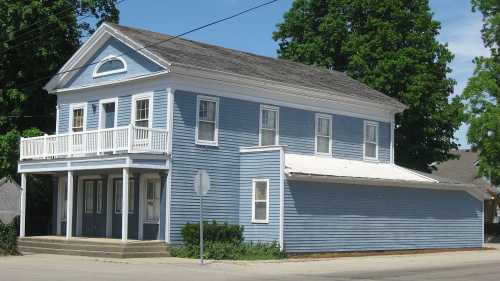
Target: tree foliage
[[390, 45], [482, 94], [36, 38]]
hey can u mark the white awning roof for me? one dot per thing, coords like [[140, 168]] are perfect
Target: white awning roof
[[328, 166], [328, 169]]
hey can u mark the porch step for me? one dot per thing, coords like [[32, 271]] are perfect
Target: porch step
[[94, 248]]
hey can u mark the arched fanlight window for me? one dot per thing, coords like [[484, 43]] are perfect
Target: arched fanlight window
[[110, 65]]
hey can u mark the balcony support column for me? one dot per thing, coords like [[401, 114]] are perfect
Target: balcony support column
[[69, 206], [22, 222], [125, 183]]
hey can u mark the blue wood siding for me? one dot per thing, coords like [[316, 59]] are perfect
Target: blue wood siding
[[260, 165], [124, 110], [335, 217], [160, 106], [136, 65], [93, 115], [63, 124]]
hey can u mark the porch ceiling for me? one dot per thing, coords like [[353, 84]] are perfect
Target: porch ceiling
[[103, 162]]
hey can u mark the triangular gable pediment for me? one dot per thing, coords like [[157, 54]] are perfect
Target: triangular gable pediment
[[104, 43]]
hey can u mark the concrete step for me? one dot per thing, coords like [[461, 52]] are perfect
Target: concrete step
[[135, 249]]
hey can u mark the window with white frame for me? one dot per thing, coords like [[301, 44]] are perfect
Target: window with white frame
[[152, 200], [370, 140], [207, 120], [98, 207], [142, 112], [78, 118], [89, 197], [323, 134], [260, 200], [119, 196], [110, 65], [269, 123]]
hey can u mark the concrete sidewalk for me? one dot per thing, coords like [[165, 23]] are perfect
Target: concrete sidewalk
[[54, 267]]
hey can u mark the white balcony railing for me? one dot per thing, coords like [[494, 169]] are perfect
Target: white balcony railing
[[129, 139]]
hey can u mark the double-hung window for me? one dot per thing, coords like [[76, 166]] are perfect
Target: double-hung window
[[78, 117], [269, 125], [153, 200], [323, 134], [142, 112], [370, 140], [207, 120], [119, 196], [260, 201]]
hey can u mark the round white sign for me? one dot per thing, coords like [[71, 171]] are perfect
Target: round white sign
[[201, 182]]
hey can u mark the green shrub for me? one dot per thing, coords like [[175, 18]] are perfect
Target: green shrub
[[212, 232], [223, 242], [8, 238], [230, 251]]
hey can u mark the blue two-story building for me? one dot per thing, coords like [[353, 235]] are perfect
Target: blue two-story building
[[298, 155]]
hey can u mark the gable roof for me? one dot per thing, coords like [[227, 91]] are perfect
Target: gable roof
[[463, 169], [190, 53]]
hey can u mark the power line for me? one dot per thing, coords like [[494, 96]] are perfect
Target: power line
[[42, 34], [161, 41]]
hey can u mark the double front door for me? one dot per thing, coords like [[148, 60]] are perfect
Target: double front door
[[94, 208]]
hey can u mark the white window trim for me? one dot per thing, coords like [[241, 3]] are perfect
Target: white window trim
[[101, 111], [316, 120], [116, 71], [272, 108], [74, 106], [142, 96], [144, 187], [215, 142], [365, 124], [254, 181]]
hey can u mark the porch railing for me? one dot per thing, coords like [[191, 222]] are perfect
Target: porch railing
[[130, 139]]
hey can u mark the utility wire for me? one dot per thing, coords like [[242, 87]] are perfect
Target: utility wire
[[159, 42], [42, 34]]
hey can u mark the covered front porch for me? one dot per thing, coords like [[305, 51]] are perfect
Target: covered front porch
[[108, 196]]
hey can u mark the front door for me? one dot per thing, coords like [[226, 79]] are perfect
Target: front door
[[109, 115], [94, 216]]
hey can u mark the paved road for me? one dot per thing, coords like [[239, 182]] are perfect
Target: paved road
[[456, 266]]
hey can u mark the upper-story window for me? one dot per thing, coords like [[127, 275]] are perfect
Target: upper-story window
[[110, 65], [142, 105], [78, 117], [323, 134], [370, 140], [207, 120], [269, 128]]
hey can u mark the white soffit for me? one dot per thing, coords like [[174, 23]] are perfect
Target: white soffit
[[334, 167]]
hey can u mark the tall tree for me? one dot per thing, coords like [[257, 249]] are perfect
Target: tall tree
[[482, 94], [36, 38], [390, 45]]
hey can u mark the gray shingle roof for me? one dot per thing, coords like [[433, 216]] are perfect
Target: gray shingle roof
[[196, 54]]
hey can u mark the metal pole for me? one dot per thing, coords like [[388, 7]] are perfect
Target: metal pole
[[201, 228], [201, 219]]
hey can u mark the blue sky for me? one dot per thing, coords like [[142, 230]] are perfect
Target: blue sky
[[252, 32]]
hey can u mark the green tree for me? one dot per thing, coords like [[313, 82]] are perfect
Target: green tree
[[482, 94], [36, 38], [391, 46]]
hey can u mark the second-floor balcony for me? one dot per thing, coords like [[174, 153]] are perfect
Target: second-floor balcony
[[129, 139]]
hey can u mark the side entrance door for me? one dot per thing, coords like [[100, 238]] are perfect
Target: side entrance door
[[94, 216]]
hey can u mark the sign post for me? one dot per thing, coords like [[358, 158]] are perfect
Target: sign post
[[201, 186]]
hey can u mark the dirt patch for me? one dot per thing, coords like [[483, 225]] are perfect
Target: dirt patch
[[379, 253]]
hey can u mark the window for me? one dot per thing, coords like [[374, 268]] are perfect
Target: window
[[153, 201], [89, 197], [98, 209], [260, 198], [207, 119], [119, 196], [78, 119], [371, 140], [142, 107], [269, 120], [323, 134], [110, 65]]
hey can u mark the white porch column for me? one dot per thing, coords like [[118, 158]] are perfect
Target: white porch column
[[125, 204], [69, 206], [22, 223]]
